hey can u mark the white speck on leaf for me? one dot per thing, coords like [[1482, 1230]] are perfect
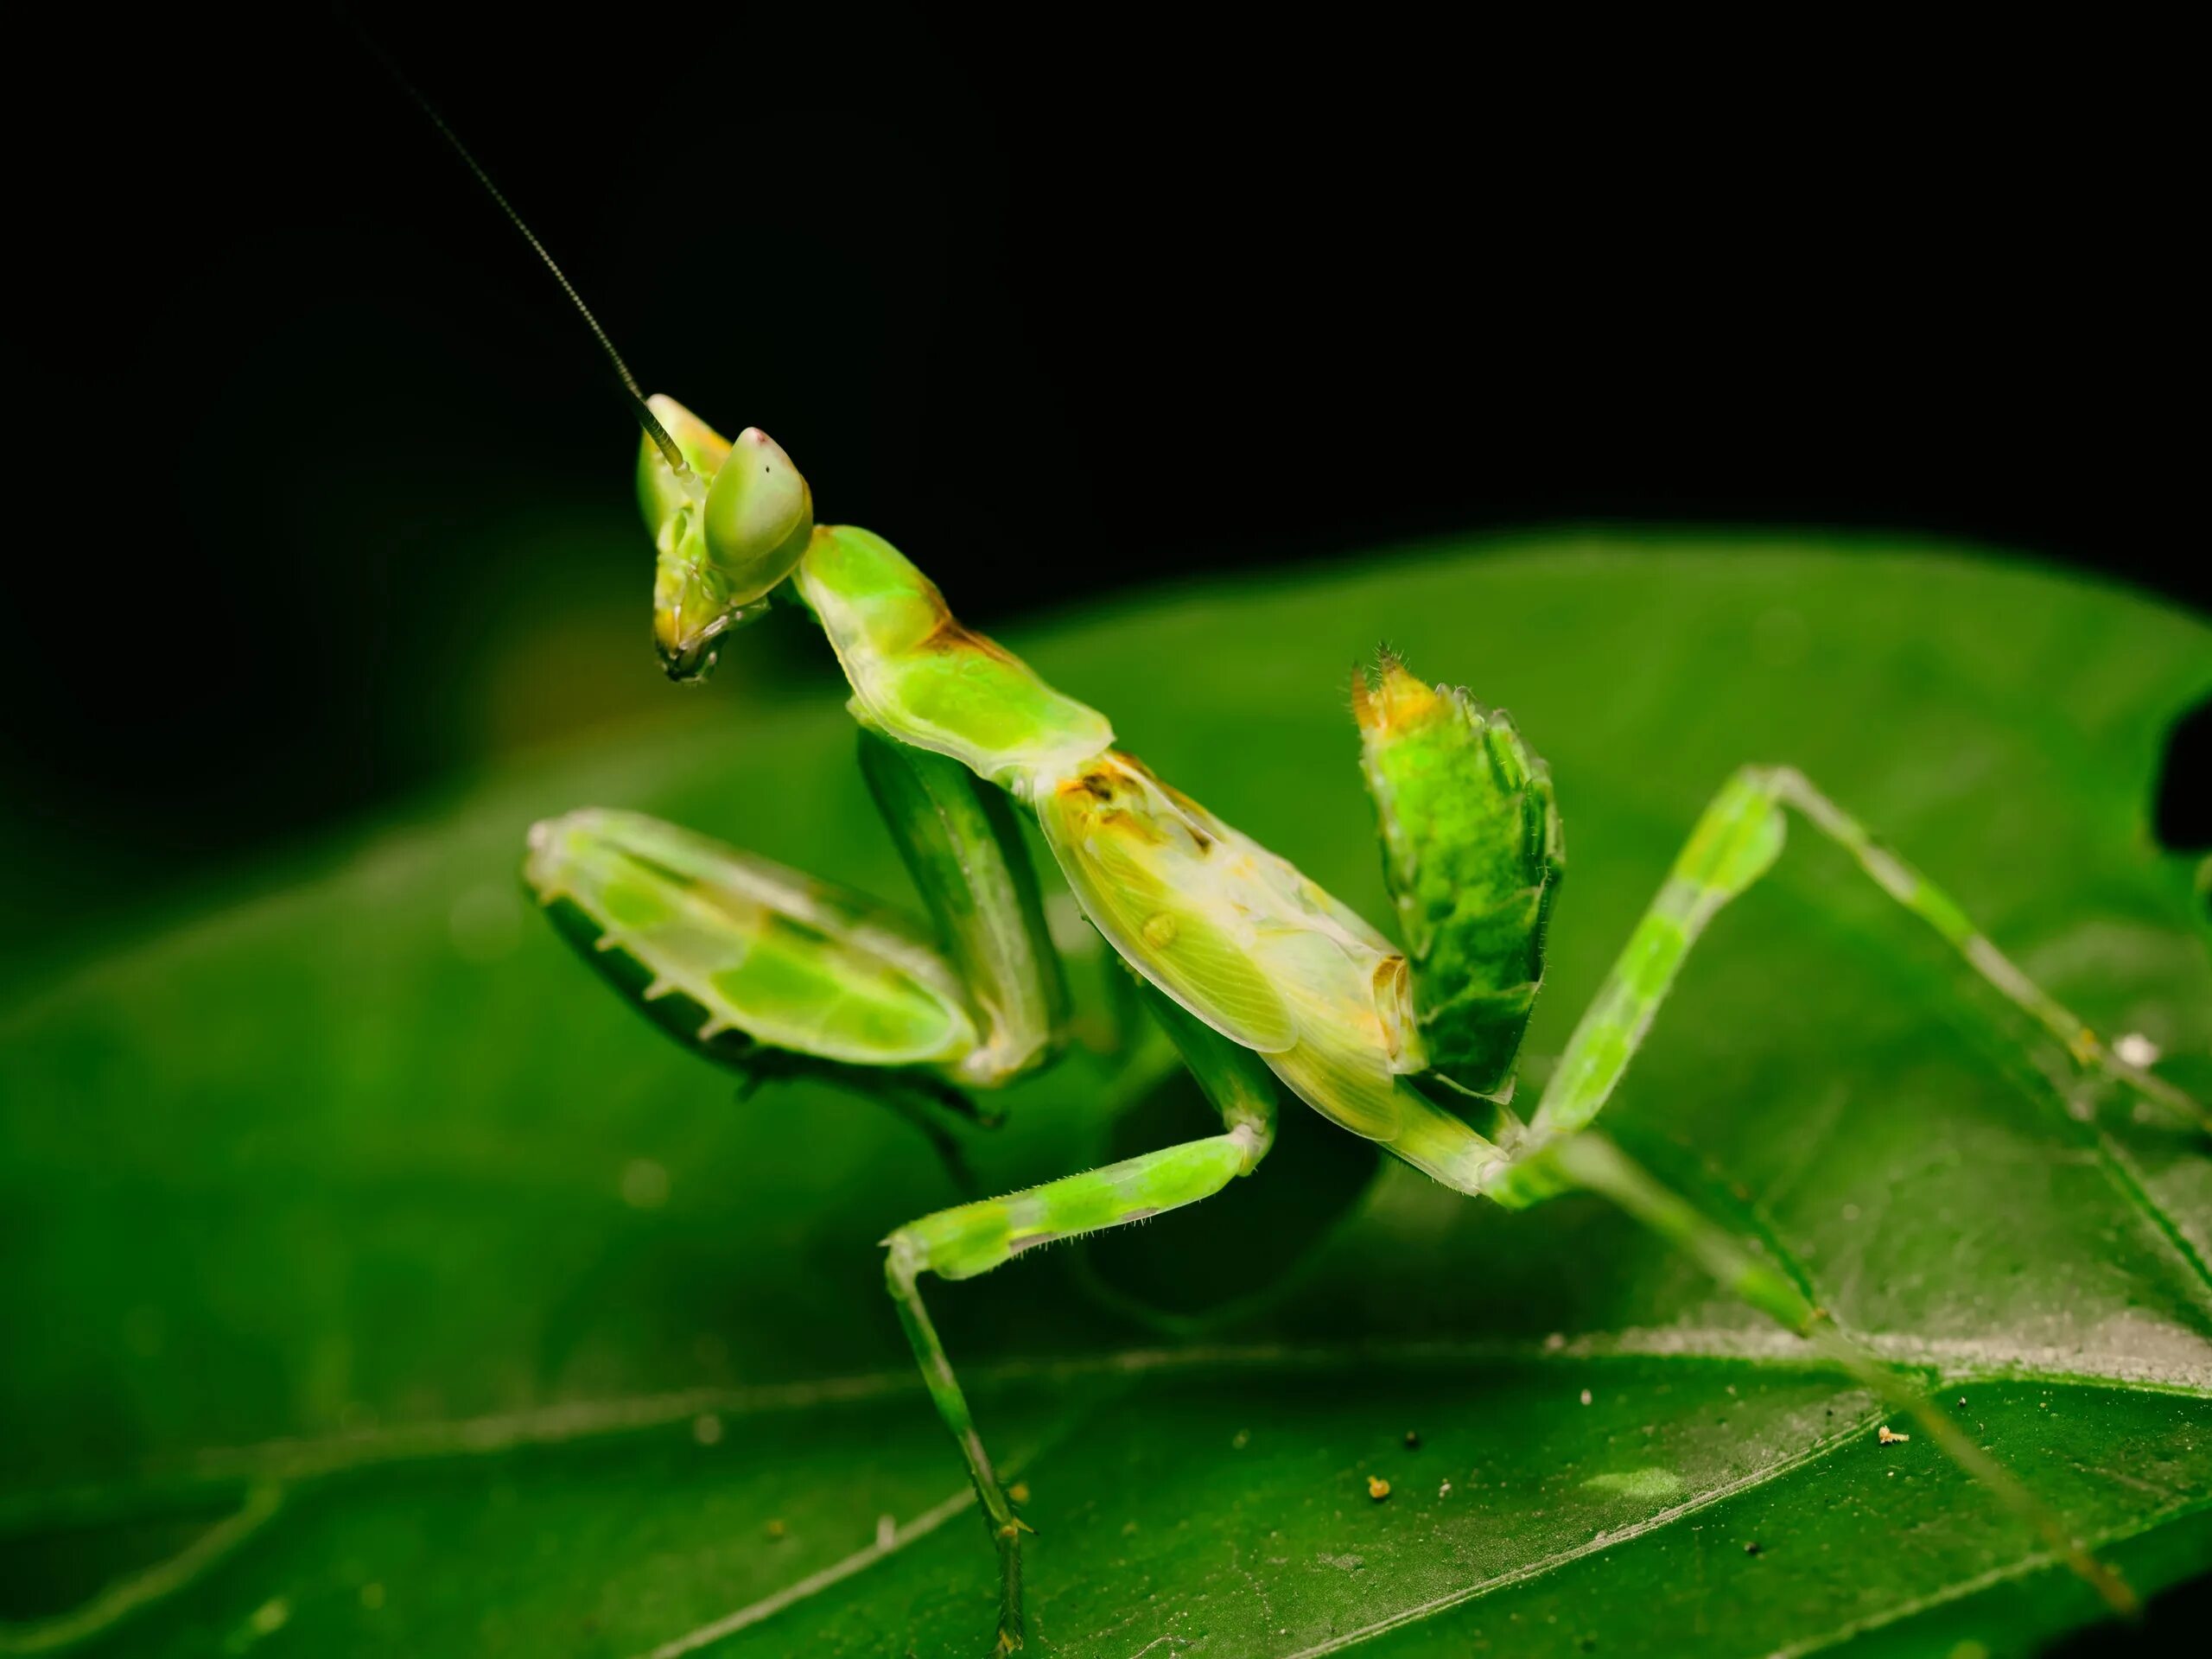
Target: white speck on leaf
[[2136, 1049]]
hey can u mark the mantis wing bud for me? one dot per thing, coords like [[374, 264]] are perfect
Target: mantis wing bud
[[1472, 854]]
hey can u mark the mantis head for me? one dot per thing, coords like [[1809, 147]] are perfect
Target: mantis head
[[728, 526], [729, 520]]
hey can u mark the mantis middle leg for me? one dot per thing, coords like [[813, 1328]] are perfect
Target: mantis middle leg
[[973, 1238]]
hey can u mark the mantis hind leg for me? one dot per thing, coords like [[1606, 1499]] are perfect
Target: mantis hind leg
[[1736, 841], [973, 1238]]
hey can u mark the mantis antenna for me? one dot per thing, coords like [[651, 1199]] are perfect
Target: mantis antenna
[[639, 407]]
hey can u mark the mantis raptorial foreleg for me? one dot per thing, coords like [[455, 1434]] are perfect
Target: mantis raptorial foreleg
[[780, 974], [973, 1238]]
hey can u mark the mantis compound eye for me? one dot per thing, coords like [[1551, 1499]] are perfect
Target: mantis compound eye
[[760, 514]]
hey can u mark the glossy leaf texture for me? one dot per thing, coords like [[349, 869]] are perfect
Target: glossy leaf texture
[[361, 1204]]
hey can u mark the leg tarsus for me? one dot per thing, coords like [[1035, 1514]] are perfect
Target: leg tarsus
[[902, 1268]]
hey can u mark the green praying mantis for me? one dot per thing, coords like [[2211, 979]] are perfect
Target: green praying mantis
[[1264, 982]]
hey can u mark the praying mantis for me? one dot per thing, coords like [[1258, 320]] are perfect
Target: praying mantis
[[1264, 982]]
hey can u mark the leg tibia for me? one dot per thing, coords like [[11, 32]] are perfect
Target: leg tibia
[[1735, 843], [1934, 906], [900, 1274]]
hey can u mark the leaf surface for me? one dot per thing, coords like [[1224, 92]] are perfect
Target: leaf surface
[[362, 1197]]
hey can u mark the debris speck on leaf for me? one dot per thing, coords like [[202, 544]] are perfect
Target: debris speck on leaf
[[1654, 1485], [645, 1184], [266, 1620], [1445, 1490], [1585, 1397], [1889, 1436], [2136, 1049], [1377, 1488]]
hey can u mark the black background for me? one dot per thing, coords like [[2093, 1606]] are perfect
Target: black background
[[325, 496], [322, 497]]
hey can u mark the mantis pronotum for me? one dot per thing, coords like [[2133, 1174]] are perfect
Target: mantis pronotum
[[1263, 980]]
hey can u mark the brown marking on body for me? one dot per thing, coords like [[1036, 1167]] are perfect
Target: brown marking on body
[[951, 638], [1362, 707], [1195, 817], [1392, 975]]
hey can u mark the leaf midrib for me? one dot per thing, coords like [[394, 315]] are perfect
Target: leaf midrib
[[299, 1460]]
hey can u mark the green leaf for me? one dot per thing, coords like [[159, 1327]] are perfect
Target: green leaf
[[361, 1215]]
